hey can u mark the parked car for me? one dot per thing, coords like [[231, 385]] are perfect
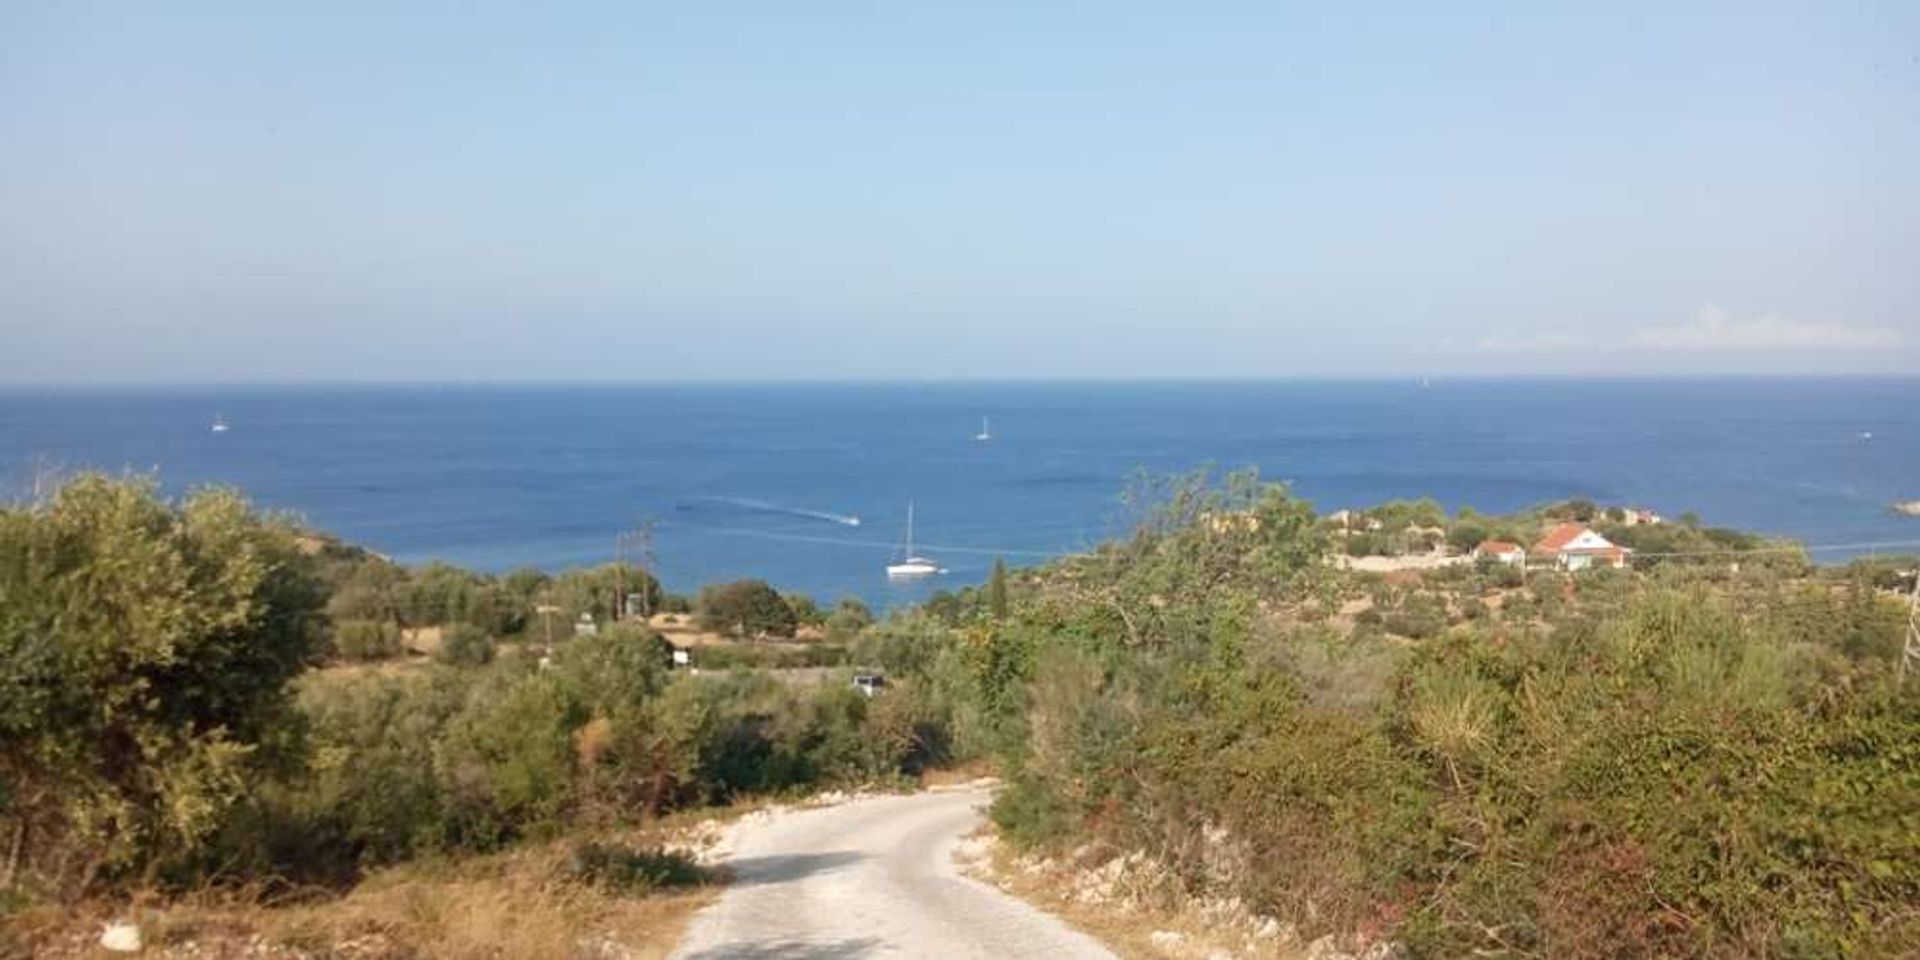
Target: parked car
[[869, 683]]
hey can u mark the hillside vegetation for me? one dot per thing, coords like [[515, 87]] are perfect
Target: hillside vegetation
[[1709, 755], [1711, 758], [165, 723]]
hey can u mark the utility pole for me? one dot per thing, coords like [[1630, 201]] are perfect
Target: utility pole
[[644, 540], [1910, 654], [546, 610], [638, 542]]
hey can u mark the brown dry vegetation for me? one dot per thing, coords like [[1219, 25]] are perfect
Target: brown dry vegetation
[[1131, 905], [524, 903]]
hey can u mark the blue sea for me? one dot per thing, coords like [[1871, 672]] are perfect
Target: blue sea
[[762, 481]]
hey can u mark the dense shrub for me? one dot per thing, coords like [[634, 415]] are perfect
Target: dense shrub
[[145, 647], [370, 791], [148, 736], [1704, 759], [464, 645], [634, 871], [600, 591], [505, 760], [1695, 762], [769, 657], [806, 613], [1418, 617], [848, 618], [366, 639], [747, 608]]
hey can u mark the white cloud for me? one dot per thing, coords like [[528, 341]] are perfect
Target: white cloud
[[1714, 329], [1554, 342]]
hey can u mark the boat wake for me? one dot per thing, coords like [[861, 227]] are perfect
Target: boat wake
[[762, 506], [867, 544]]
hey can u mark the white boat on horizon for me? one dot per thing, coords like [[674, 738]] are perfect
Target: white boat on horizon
[[219, 423], [986, 433], [913, 565]]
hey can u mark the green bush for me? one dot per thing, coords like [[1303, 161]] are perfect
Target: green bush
[[366, 639], [369, 793], [746, 608], [505, 760], [1689, 763], [848, 618], [634, 871], [464, 645], [805, 611], [145, 648], [745, 657], [1684, 760], [1500, 575]]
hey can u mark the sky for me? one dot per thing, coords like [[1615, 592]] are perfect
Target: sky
[[736, 191]]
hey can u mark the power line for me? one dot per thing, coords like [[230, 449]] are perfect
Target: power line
[[1793, 548]]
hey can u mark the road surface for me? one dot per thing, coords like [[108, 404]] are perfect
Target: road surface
[[870, 878]]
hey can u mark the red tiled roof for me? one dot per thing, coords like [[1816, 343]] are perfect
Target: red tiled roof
[[1611, 550], [1558, 537]]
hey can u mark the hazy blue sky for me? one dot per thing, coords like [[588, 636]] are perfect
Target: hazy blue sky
[[706, 190]]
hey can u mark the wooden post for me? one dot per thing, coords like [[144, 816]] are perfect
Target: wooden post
[[1910, 654]]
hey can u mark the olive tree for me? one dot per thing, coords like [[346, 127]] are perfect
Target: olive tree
[[145, 648], [749, 608]]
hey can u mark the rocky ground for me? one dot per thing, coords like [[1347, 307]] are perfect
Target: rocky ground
[[1138, 910]]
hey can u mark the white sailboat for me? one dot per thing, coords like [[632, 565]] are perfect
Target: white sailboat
[[913, 565], [219, 423], [986, 433]]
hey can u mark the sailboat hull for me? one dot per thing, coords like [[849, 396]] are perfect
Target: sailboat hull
[[912, 564]]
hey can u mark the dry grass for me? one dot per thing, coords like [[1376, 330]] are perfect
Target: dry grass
[[520, 904], [964, 774], [1132, 907], [391, 667], [683, 630]]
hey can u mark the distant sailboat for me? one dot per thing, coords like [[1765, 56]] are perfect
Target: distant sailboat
[[219, 423], [986, 432], [912, 566]]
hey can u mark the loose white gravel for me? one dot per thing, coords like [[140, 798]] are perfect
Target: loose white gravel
[[871, 877]]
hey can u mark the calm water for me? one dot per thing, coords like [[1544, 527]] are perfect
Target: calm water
[[739, 479]]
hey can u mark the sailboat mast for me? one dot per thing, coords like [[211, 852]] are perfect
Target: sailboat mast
[[909, 528]]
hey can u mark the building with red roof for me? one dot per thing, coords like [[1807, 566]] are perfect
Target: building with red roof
[[1574, 546], [1504, 551]]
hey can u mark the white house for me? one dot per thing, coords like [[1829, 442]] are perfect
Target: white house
[[1575, 547], [1501, 550]]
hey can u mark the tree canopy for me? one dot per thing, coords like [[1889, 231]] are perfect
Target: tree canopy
[[750, 608], [145, 648]]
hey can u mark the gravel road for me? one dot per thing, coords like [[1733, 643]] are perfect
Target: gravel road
[[872, 877]]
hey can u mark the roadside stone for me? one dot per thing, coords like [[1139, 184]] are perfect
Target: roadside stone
[[1166, 939], [1324, 949], [121, 937]]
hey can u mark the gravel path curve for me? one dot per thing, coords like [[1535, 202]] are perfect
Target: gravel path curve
[[872, 877]]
